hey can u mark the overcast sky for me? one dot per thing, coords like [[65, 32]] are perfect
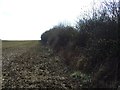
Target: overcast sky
[[28, 19]]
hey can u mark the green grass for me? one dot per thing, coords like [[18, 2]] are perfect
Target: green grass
[[7, 44]]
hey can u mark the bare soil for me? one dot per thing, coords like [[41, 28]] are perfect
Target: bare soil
[[32, 65]]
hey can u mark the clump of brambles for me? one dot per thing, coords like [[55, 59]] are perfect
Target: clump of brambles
[[92, 47]]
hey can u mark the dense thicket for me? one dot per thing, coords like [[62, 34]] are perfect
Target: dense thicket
[[93, 46]]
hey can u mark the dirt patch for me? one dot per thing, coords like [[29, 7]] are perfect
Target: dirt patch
[[35, 67]]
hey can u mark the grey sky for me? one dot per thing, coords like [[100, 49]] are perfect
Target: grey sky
[[28, 19]]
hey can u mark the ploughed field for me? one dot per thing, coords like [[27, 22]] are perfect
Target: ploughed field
[[28, 64]]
